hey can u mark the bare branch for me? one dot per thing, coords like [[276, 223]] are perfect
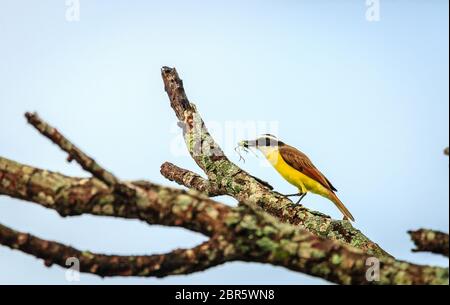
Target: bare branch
[[86, 162], [180, 261], [430, 241], [232, 180], [189, 179]]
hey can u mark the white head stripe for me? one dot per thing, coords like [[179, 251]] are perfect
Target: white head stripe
[[269, 136]]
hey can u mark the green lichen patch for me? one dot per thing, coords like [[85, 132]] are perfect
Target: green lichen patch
[[232, 219], [430, 235], [266, 244], [336, 259], [183, 201], [249, 222], [212, 212]]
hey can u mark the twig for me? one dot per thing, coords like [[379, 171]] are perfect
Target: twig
[[86, 162]]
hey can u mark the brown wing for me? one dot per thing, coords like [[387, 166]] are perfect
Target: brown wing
[[301, 162]]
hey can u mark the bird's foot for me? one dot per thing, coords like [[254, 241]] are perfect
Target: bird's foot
[[302, 195], [291, 195], [300, 199]]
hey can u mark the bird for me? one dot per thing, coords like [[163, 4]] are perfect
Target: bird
[[297, 169]]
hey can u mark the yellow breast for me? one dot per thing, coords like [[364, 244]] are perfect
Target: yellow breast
[[293, 176]]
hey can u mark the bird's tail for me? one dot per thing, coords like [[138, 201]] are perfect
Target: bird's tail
[[333, 197]]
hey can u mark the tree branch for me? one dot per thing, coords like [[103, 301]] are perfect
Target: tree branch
[[69, 196], [246, 234], [179, 261], [288, 246], [249, 236], [189, 179], [430, 241], [225, 176], [86, 162]]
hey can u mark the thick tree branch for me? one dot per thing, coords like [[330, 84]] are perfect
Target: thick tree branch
[[69, 196], [261, 238], [86, 162], [430, 241], [249, 236], [245, 234], [232, 180], [179, 261]]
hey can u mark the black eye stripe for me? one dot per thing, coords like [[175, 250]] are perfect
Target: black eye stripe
[[268, 141]]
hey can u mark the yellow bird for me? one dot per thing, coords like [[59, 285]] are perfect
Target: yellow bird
[[297, 169]]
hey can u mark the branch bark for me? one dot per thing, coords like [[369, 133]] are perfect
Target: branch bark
[[242, 235], [179, 261], [430, 241], [86, 162], [189, 179], [245, 233], [228, 178], [70, 196], [239, 233]]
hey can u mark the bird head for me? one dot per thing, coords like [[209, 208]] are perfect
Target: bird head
[[265, 140]]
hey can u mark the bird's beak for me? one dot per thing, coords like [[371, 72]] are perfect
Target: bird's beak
[[247, 144], [243, 144]]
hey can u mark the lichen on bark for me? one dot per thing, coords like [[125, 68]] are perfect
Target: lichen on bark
[[265, 227], [228, 178]]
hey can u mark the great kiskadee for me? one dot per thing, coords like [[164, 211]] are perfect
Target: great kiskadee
[[297, 169]]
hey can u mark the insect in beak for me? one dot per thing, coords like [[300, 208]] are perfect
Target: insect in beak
[[243, 146]]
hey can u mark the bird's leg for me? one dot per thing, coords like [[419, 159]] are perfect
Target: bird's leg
[[301, 197], [297, 194], [290, 195]]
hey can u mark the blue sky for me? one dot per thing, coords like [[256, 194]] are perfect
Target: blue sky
[[367, 101]]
